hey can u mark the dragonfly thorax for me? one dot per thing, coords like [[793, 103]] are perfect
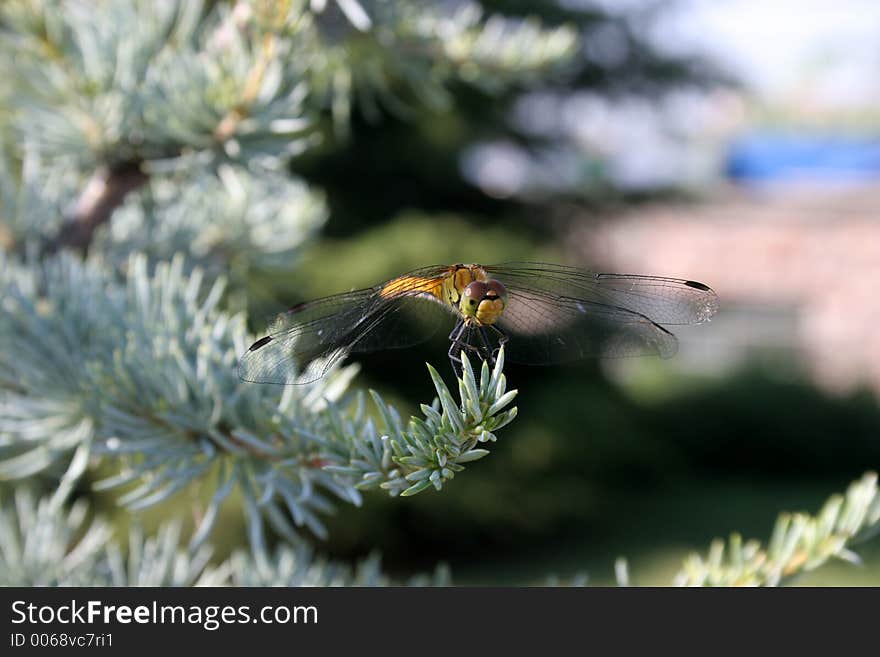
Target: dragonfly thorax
[[482, 302]]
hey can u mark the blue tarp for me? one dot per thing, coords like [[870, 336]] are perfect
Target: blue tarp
[[773, 157]]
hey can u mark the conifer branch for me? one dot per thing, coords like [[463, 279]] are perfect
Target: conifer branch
[[799, 543], [105, 192], [428, 451]]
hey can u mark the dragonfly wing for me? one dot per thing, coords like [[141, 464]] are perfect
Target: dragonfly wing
[[671, 301], [547, 328], [308, 339], [304, 342], [403, 322]]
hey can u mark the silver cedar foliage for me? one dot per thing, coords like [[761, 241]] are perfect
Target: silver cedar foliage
[[47, 543], [34, 194], [82, 71], [229, 221], [130, 81], [356, 53], [160, 559], [300, 566], [44, 544]]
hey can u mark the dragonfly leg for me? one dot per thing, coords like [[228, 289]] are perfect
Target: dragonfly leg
[[502, 340], [456, 347], [487, 352], [455, 360], [461, 341]]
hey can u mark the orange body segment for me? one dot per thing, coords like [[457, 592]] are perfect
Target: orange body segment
[[412, 284]]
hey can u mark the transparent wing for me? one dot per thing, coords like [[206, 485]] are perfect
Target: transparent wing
[[557, 313], [671, 301], [304, 342], [544, 328]]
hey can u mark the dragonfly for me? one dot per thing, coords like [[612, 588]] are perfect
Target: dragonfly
[[540, 313]]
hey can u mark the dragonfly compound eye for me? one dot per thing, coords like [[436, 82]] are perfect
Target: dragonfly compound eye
[[498, 288], [471, 297]]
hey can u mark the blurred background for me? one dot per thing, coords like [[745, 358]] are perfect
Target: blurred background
[[735, 143]]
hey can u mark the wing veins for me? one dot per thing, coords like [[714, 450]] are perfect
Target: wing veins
[[674, 300]]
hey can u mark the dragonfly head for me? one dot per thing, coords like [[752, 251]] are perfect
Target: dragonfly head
[[483, 301]]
